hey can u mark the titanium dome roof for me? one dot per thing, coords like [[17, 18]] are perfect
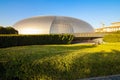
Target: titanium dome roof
[[52, 25]]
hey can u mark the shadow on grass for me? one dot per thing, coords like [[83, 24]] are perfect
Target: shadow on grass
[[96, 64], [89, 65], [19, 65]]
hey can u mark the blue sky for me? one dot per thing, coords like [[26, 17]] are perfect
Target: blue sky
[[94, 12]]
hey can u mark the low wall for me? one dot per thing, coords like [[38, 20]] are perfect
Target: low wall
[[89, 34]]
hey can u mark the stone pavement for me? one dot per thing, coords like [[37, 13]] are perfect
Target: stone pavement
[[111, 77]]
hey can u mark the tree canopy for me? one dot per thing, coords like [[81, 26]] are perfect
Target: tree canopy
[[8, 30]]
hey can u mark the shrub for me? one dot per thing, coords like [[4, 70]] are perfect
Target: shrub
[[112, 38], [21, 40]]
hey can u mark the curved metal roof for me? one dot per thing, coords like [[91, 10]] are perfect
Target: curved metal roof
[[52, 25]]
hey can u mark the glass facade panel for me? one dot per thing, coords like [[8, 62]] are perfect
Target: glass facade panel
[[60, 25]]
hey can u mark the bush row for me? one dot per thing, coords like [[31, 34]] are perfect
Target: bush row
[[21, 40], [112, 38]]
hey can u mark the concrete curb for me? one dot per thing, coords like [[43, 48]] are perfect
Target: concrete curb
[[110, 77]]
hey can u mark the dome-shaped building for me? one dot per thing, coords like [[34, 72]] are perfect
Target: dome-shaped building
[[52, 25]]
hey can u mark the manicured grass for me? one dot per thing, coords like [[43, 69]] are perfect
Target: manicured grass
[[59, 62]]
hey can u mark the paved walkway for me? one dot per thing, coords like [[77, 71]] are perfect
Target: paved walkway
[[111, 77]]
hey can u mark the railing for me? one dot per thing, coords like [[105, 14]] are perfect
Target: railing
[[89, 34]]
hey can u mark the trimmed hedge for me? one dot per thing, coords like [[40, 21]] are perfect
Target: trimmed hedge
[[112, 38], [21, 40]]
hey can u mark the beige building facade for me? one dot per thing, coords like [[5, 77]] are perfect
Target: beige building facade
[[112, 28]]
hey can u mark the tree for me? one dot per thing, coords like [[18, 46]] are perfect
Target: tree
[[2, 30], [11, 30], [118, 31], [8, 30]]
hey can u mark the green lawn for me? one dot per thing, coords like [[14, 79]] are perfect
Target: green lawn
[[59, 62]]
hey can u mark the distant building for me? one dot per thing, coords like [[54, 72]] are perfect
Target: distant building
[[112, 28]]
